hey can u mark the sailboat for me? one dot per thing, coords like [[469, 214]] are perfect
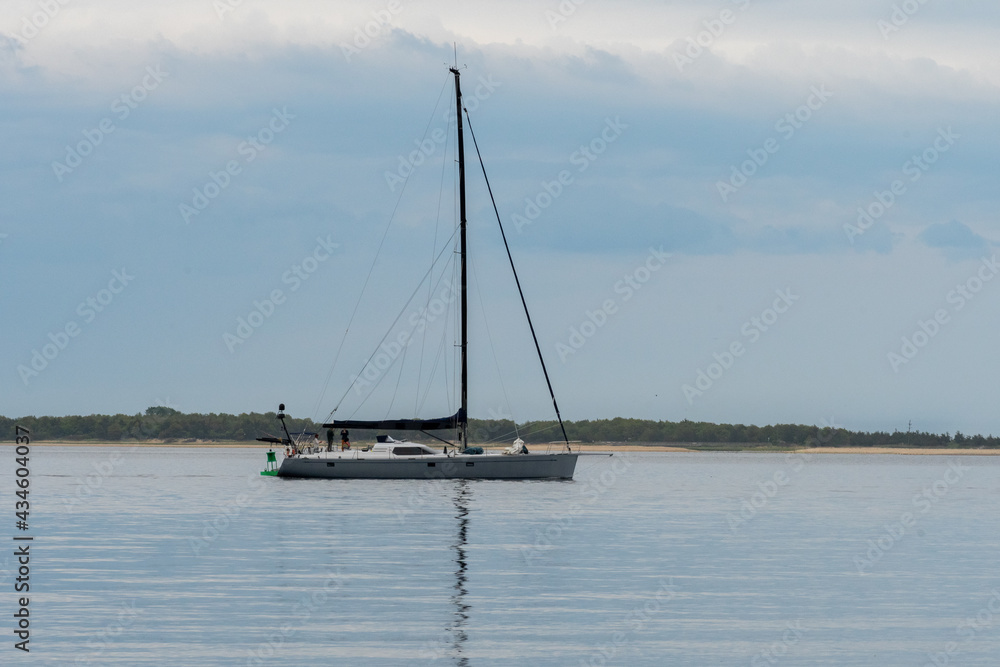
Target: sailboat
[[392, 459]]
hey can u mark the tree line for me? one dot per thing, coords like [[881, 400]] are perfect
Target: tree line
[[169, 425]]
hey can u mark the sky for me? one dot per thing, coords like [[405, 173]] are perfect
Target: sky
[[741, 211]]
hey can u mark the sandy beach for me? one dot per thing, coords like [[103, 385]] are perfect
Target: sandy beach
[[598, 447], [901, 450], [810, 450]]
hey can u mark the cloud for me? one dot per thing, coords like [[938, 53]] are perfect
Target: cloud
[[556, 90], [599, 219], [955, 239]]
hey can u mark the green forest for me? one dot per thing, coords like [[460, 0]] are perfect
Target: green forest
[[168, 425]]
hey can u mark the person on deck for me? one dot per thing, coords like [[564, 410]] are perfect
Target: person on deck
[[345, 440], [329, 439]]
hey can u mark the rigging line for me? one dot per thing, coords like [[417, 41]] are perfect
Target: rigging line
[[384, 375], [539, 429], [489, 335], [440, 357], [432, 286], [503, 437], [399, 378], [517, 280], [371, 269], [456, 319], [426, 319], [434, 368], [394, 323], [437, 227]]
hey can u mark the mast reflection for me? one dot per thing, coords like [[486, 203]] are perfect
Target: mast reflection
[[461, 617]]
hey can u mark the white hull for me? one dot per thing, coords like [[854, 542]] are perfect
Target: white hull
[[335, 465]]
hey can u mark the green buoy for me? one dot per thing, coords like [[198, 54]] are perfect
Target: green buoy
[[272, 465]]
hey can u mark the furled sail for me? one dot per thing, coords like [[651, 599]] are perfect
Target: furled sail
[[454, 421]]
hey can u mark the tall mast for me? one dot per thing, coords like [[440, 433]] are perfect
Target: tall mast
[[464, 413]]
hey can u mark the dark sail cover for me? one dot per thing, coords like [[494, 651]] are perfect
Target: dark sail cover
[[402, 424]]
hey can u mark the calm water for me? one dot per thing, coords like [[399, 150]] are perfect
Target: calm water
[[181, 557]]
